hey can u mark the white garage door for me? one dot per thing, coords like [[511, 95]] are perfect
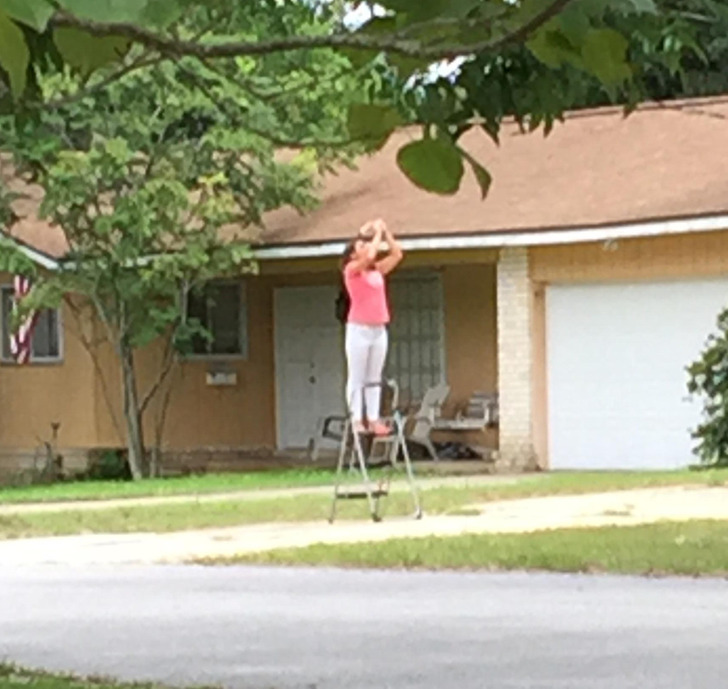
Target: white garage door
[[616, 358]]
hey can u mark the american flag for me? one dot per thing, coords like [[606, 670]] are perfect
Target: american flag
[[20, 340]]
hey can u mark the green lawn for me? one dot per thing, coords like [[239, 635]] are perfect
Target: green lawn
[[12, 677], [315, 507], [163, 518], [187, 485], [680, 548], [531, 484], [445, 499]]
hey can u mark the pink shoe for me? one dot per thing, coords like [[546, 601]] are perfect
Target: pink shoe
[[379, 428]]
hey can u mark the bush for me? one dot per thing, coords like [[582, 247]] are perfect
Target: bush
[[709, 380], [108, 465]]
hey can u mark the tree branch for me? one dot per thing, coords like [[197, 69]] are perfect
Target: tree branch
[[391, 44], [690, 109], [169, 359]]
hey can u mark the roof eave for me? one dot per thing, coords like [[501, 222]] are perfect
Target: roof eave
[[489, 240], [38, 257], [512, 238]]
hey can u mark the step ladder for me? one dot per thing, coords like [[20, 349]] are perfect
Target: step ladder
[[360, 451]]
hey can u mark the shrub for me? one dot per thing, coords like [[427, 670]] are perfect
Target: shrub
[[108, 465], [709, 380]]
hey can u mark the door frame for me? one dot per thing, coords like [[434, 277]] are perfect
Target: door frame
[[278, 368]]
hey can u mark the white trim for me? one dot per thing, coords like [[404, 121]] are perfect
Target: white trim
[[498, 240], [38, 257]]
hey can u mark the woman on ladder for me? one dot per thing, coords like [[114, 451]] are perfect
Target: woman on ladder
[[367, 260]]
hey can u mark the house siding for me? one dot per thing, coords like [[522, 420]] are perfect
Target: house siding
[[470, 338], [34, 396], [690, 255]]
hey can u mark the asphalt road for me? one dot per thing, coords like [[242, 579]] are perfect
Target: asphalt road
[[303, 629]]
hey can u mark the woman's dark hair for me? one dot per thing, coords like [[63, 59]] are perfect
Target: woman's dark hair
[[348, 249], [343, 302]]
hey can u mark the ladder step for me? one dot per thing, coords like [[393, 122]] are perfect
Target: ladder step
[[361, 494], [378, 462]]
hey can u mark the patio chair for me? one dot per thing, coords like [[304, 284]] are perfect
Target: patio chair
[[327, 428], [427, 416], [480, 413]]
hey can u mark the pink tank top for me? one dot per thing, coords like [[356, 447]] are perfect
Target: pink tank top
[[367, 295]]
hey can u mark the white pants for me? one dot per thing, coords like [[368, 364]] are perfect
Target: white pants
[[366, 350]]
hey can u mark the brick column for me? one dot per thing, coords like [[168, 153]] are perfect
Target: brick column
[[515, 392]]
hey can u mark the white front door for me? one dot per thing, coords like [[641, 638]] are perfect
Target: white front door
[[617, 396], [309, 361]]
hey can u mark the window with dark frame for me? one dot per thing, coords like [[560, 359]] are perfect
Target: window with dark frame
[[46, 338], [221, 309], [416, 338]]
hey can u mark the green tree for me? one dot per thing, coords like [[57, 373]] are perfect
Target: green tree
[[528, 58], [158, 181]]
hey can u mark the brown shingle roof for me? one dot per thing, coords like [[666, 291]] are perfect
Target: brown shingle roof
[[598, 168], [29, 230]]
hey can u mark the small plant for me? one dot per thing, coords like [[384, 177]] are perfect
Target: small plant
[[709, 380], [109, 465]]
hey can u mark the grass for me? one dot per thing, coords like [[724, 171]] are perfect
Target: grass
[[677, 548], [525, 486], [315, 507], [186, 485], [457, 500], [12, 677], [163, 518]]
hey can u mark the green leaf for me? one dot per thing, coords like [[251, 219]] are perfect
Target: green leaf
[[407, 66], [87, 53], [372, 123], [107, 11], [434, 165], [161, 13], [644, 6], [551, 46], [376, 26], [424, 10], [598, 8], [14, 54], [34, 13], [604, 53], [482, 176]]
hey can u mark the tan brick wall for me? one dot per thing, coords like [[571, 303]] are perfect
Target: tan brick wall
[[515, 383]]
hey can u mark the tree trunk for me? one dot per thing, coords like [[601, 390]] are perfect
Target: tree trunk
[[132, 414]]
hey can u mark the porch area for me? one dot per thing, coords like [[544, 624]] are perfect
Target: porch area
[[268, 402]]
